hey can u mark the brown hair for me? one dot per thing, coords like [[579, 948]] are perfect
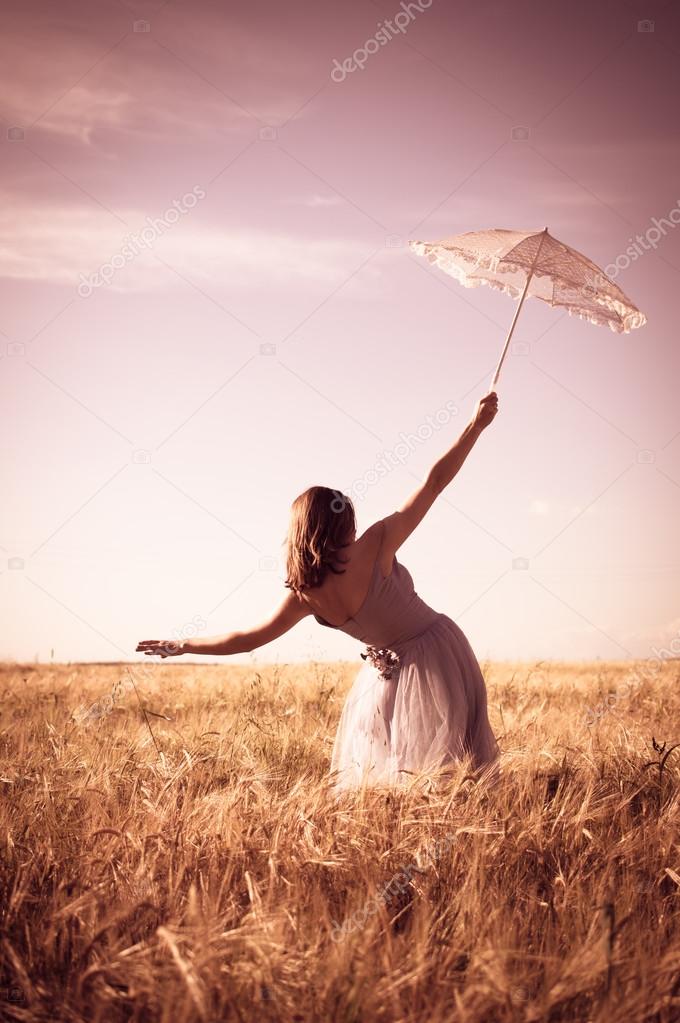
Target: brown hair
[[322, 522]]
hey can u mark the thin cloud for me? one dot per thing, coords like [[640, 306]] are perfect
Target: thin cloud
[[315, 201], [56, 243]]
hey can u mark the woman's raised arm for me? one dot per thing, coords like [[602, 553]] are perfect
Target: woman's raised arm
[[400, 525]]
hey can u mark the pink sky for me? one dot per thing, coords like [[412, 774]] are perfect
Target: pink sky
[[311, 189]]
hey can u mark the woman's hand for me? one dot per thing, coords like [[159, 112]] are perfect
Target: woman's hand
[[160, 647], [486, 410]]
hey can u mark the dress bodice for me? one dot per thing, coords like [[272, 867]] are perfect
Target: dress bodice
[[392, 614]]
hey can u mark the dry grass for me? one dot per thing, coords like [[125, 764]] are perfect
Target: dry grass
[[212, 883]]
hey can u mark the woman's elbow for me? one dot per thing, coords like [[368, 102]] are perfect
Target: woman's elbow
[[246, 642], [435, 482]]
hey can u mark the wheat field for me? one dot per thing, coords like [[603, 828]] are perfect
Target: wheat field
[[189, 862]]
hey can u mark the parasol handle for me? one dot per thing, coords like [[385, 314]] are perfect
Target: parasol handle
[[514, 319]]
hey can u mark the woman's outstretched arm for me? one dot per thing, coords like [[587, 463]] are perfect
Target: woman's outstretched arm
[[400, 525], [291, 611], [443, 471]]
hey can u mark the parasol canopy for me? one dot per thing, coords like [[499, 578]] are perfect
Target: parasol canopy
[[533, 264]]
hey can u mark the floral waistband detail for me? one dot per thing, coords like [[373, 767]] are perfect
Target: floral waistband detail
[[385, 661]]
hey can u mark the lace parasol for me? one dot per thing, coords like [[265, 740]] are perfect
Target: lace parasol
[[536, 265]]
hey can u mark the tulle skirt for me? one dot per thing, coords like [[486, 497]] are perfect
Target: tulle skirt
[[430, 714]]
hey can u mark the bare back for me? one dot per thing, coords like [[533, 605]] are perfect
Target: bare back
[[341, 595]]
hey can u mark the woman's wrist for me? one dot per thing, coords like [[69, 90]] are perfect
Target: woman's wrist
[[201, 646]]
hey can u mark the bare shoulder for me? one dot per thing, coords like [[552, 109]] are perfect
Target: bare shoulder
[[376, 546], [294, 606], [372, 535]]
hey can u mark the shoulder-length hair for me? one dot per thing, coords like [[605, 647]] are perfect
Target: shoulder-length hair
[[322, 522]]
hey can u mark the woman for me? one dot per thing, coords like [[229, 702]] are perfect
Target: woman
[[419, 703]]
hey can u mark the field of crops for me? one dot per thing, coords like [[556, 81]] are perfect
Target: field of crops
[[189, 862]]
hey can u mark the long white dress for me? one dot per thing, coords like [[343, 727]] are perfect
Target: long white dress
[[419, 702]]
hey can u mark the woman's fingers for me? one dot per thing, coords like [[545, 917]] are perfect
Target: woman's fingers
[[162, 647], [487, 409]]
